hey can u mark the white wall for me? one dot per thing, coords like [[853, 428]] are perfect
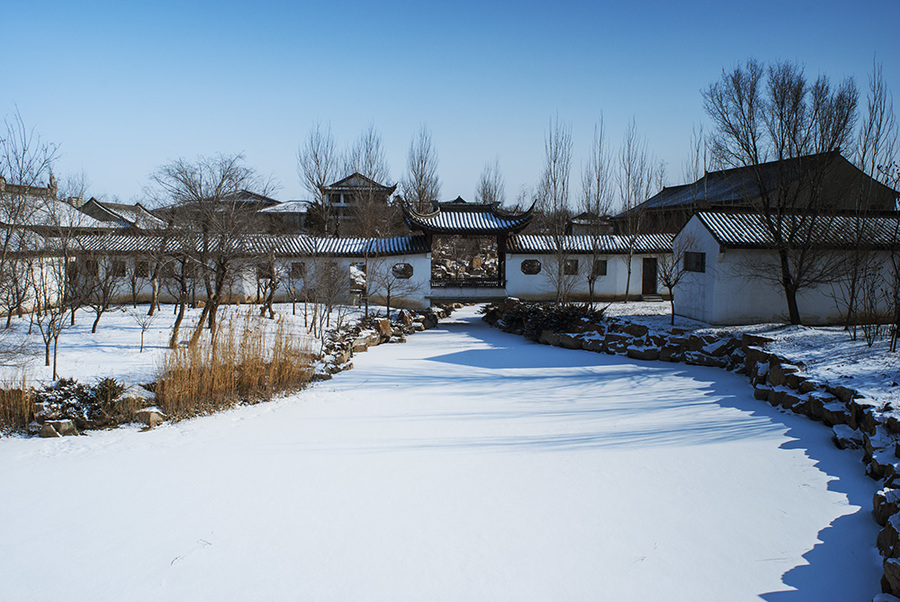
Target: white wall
[[542, 286], [732, 291]]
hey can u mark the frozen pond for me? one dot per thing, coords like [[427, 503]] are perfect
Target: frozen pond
[[467, 464]]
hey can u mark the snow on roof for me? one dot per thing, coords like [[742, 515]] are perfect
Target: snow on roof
[[750, 230], [288, 207], [281, 245], [603, 244], [469, 218]]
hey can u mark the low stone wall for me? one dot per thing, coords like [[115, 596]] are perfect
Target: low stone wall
[[341, 345], [857, 422]]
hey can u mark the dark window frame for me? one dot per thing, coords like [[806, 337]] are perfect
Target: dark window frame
[[694, 262]]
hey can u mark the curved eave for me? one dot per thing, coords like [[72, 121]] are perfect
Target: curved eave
[[467, 219]]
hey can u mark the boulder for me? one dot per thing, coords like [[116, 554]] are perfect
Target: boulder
[[635, 330], [721, 347], [696, 358], [64, 427], [885, 503], [360, 345], [671, 353], [47, 431], [778, 371], [643, 353], [429, 320], [845, 394], [592, 343], [152, 416], [753, 340], [404, 318], [383, 328], [794, 380], [889, 537], [761, 392], [834, 412], [890, 582], [845, 437], [569, 341]]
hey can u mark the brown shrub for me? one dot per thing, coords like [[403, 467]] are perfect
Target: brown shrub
[[244, 362], [16, 405]]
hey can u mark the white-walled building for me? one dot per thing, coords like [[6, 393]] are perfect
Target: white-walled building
[[732, 268]]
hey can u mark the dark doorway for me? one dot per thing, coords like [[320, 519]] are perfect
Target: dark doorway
[[649, 276]]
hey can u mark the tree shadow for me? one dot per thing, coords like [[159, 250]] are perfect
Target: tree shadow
[[841, 565]]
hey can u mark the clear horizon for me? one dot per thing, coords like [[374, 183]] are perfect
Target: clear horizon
[[126, 88]]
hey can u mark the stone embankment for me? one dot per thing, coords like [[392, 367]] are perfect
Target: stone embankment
[[342, 344], [857, 421]]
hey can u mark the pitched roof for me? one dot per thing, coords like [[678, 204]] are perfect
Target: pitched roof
[[604, 244], [466, 218], [356, 181], [124, 215], [751, 231], [735, 187], [288, 207]]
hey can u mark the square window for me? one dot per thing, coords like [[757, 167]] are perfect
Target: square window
[[599, 267], [694, 262], [570, 268]]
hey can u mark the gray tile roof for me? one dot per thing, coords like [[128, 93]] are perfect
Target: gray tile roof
[[750, 230], [466, 218], [611, 244], [281, 245]]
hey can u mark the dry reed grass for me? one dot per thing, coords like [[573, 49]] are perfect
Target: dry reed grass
[[246, 361], [16, 404]]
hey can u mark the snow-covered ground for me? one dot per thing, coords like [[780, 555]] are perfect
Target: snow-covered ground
[[825, 353], [466, 464], [114, 350]]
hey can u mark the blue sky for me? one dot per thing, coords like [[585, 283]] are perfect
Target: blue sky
[[124, 87]]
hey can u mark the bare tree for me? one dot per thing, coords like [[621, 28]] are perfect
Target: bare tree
[[372, 214], [553, 197], [672, 268], [144, 322], [26, 162], [99, 283], [635, 177], [876, 145], [490, 185], [596, 198], [268, 279], [697, 162], [421, 186], [389, 279], [317, 163], [204, 189], [775, 114]]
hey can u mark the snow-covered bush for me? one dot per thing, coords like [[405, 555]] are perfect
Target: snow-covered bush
[[534, 318]]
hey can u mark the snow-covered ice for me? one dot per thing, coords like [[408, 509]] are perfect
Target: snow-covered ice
[[466, 464]]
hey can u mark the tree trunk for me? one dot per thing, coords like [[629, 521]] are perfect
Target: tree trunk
[[200, 323], [173, 340], [154, 296], [672, 304], [790, 289], [628, 275], [96, 321], [55, 354]]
